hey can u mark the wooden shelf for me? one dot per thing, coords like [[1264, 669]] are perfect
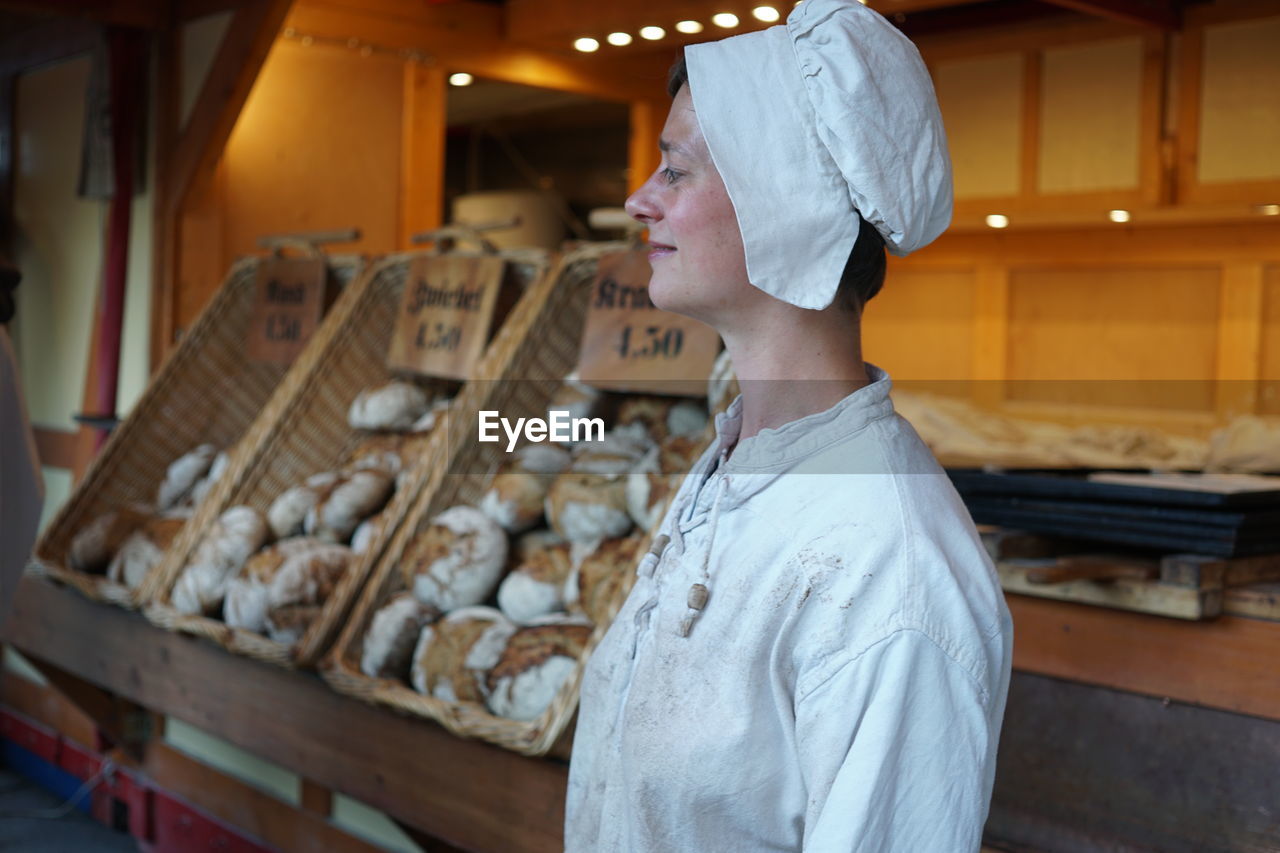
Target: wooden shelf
[[467, 793]]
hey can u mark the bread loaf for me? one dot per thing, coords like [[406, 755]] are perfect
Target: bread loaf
[[393, 632], [230, 542], [454, 655], [518, 491], [289, 624], [245, 604], [144, 549], [355, 497], [457, 561], [394, 406], [96, 543], [593, 585], [183, 474], [584, 507], [289, 510], [210, 479], [657, 477], [308, 577], [575, 397], [536, 587], [534, 665]]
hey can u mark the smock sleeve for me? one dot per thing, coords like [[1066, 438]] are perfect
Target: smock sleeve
[[893, 746]]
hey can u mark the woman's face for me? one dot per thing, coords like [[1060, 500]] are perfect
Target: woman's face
[[699, 265]]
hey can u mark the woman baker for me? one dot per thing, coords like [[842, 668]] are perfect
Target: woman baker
[[816, 654]]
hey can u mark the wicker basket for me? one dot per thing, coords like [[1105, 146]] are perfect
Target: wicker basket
[[208, 391], [305, 431], [534, 368]]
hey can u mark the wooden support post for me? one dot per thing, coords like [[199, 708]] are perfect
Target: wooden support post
[[647, 118], [422, 150], [990, 335], [164, 223], [1239, 339]]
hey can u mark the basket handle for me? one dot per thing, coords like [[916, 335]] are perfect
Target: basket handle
[[445, 236], [307, 242]]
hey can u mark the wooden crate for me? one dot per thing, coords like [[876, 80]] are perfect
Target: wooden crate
[[207, 391], [532, 369], [304, 431]]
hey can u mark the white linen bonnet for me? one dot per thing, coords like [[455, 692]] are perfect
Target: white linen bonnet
[[813, 123]]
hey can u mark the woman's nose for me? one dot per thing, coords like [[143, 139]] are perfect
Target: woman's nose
[[640, 205]]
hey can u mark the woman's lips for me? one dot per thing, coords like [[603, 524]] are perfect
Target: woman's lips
[[660, 250]]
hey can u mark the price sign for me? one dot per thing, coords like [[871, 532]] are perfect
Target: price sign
[[289, 302], [631, 345], [445, 314]]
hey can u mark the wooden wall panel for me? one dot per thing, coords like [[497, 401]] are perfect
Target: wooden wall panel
[[1239, 129], [981, 102], [1144, 337], [317, 147], [920, 328], [1269, 374], [1090, 117]]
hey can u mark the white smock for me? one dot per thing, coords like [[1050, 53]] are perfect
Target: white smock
[[842, 689]]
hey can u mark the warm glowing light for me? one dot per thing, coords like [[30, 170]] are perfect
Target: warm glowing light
[[307, 41], [619, 39], [1269, 209], [998, 220], [1118, 216], [586, 45], [725, 19], [461, 78], [689, 27], [768, 14], [652, 33]]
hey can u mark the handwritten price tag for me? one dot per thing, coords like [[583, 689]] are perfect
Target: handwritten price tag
[[445, 314], [290, 296], [631, 345]]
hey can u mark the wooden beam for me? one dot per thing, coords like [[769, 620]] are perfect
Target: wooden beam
[[48, 41], [469, 794], [1160, 14], [422, 150], [164, 221], [55, 447], [647, 118], [240, 57], [143, 14]]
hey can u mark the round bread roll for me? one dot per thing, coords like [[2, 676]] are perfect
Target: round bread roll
[[394, 406], [308, 577], [352, 499], [245, 604], [524, 545], [393, 633], [143, 550], [210, 479], [457, 561], [379, 452], [617, 453], [454, 655], [519, 489], [585, 507], [366, 534], [289, 624], [96, 543], [658, 476], [288, 511], [431, 417], [575, 397], [536, 587], [230, 542], [183, 474], [536, 662], [592, 586]]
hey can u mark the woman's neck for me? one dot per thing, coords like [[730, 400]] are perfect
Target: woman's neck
[[793, 366]]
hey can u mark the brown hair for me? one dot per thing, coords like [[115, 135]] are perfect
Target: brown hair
[[864, 271]]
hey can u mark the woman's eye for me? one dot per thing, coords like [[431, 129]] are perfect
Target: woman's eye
[[669, 176]]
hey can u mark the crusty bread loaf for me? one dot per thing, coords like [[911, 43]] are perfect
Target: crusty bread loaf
[[454, 655], [246, 602], [144, 549], [289, 624], [393, 632], [593, 585], [535, 587], [586, 507], [96, 543], [533, 666], [518, 491], [657, 477], [226, 547], [219, 467], [355, 497], [308, 577], [394, 406], [288, 511], [182, 475], [457, 561]]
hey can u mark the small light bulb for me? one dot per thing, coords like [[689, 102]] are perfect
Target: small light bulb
[[768, 14], [461, 78], [725, 19], [998, 220], [1118, 215], [619, 39], [689, 27], [652, 33], [586, 45], [1269, 209], [307, 41]]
